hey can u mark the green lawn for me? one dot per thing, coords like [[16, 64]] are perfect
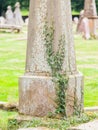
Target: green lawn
[[12, 59], [87, 63], [75, 12], [25, 12], [4, 115], [12, 64]]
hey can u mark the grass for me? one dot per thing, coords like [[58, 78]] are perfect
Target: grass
[[57, 124], [4, 118], [75, 12], [24, 12], [12, 53], [87, 63], [12, 64]]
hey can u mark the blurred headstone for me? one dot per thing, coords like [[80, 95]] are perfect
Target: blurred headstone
[[2, 20], [83, 26], [17, 15], [76, 20], [26, 21], [9, 16], [91, 13]]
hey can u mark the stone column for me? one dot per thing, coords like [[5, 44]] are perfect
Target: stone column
[[36, 89], [91, 13]]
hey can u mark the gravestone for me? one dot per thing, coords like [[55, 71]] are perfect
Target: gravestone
[[37, 93], [9, 16], [76, 20], [81, 16], [26, 21], [17, 15], [2, 20], [91, 13], [83, 26]]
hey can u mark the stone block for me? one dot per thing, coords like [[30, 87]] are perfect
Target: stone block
[[79, 101], [74, 92], [37, 95], [70, 95]]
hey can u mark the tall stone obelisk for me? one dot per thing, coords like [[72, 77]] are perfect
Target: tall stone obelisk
[[91, 13], [37, 92]]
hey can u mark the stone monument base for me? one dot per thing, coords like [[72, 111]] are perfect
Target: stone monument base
[[37, 95]]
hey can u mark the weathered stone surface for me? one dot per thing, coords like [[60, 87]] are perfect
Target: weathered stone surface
[[8, 106], [90, 8], [74, 94], [79, 101], [37, 95], [11, 106], [70, 99], [36, 61], [38, 128]]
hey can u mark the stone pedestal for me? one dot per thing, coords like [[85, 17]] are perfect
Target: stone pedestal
[[36, 88], [37, 95]]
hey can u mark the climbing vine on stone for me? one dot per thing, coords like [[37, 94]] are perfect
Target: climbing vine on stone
[[55, 61]]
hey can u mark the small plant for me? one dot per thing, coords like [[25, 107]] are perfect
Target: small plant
[[51, 123], [55, 61]]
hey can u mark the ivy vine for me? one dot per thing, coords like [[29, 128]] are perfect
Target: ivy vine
[[55, 61]]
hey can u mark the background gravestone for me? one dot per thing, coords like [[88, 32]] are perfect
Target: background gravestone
[[17, 15], [83, 26], [91, 13], [9, 16], [37, 91]]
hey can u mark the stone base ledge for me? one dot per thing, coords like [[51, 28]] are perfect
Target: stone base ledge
[[9, 106], [91, 109]]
